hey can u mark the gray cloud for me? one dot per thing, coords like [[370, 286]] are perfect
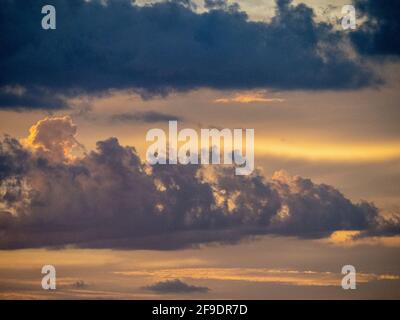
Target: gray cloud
[[100, 46], [145, 116], [219, 4], [14, 160], [108, 198], [175, 286]]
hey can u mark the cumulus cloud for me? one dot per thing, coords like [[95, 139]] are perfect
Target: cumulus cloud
[[14, 160], [100, 46], [109, 198], [175, 286], [53, 137]]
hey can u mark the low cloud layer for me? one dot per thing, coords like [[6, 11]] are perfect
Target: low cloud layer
[[175, 286], [145, 116], [108, 198], [100, 46], [262, 275]]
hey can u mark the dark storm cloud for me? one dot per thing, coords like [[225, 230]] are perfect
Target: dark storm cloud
[[380, 34], [166, 46], [175, 286], [386, 226], [146, 116], [34, 98], [109, 199], [14, 160]]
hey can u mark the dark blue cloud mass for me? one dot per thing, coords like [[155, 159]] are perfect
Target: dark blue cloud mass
[[99, 46], [379, 35]]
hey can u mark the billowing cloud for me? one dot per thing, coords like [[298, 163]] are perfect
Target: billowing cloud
[[109, 198], [175, 286], [14, 160], [53, 137], [101, 46]]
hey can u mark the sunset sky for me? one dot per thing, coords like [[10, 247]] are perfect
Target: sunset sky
[[324, 104]]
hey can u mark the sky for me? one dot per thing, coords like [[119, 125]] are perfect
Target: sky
[[75, 190]]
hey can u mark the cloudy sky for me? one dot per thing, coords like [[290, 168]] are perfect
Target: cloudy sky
[[76, 192]]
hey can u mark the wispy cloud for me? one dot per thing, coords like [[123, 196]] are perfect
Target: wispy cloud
[[344, 152], [251, 97], [280, 276], [355, 238], [145, 116]]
